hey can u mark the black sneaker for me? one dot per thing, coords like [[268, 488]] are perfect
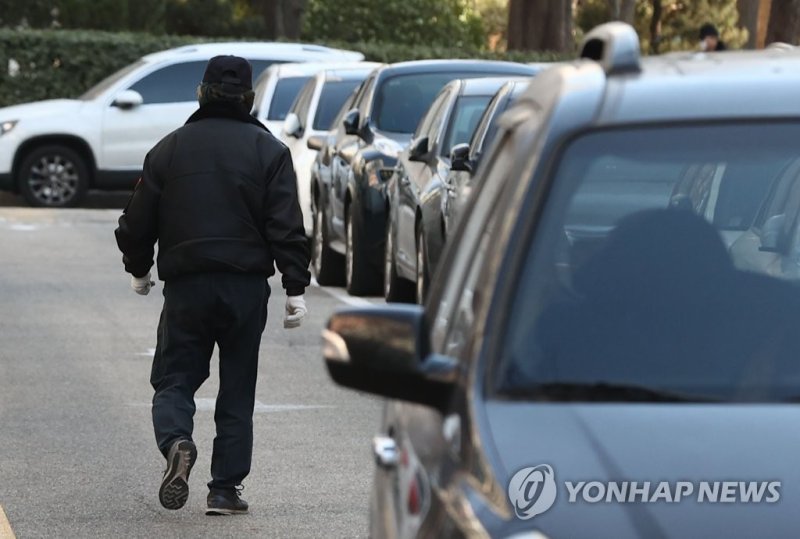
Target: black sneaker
[[226, 502], [174, 489]]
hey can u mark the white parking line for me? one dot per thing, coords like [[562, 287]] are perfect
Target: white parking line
[[208, 405], [344, 297], [5, 527]]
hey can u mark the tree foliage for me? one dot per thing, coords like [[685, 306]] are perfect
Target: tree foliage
[[432, 22]]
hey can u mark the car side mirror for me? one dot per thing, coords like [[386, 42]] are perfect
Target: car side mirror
[[419, 150], [459, 158], [315, 142], [292, 125], [772, 234], [128, 99], [385, 351], [352, 122]]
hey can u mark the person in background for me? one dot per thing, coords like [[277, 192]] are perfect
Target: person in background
[[220, 196], [709, 39]]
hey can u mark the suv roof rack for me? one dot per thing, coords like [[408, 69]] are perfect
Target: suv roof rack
[[615, 46]]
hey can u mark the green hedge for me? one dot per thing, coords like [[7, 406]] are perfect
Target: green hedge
[[65, 63]]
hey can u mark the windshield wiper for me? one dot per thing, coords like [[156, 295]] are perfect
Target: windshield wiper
[[597, 392]]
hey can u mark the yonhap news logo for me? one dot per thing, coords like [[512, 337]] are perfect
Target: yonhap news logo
[[533, 490]]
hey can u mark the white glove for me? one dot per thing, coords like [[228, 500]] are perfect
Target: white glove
[[142, 285], [295, 311]]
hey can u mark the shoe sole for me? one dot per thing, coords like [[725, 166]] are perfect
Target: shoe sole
[[221, 512], [174, 489]]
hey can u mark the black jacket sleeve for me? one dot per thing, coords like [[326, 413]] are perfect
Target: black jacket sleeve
[[283, 226], [138, 226]]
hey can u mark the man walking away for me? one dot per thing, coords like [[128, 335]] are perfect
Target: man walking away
[[220, 197]]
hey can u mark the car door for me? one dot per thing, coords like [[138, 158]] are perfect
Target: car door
[[302, 157], [169, 96], [415, 175], [341, 168]]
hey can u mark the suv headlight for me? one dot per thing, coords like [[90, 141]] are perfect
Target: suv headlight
[[7, 126]]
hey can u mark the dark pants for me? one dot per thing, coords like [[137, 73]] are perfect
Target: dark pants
[[200, 310]]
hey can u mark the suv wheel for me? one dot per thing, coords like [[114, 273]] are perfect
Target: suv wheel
[[395, 288], [53, 176], [328, 264], [359, 276]]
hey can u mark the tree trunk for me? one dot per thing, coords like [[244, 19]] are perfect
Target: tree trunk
[[282, 18], [754, 15], [536, 25], [622, 10], [655, 27], [784, 22]]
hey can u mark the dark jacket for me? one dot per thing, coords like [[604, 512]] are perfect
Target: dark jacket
[[220, 195]]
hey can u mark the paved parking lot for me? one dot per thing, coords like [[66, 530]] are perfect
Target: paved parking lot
[[77, 454]]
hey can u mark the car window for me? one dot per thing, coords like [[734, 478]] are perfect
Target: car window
[[463, 121], [434, 112], [626, 294], [111, 80], [302, 103], [363, 97], [176, 83], [331, 99], [286, 91]]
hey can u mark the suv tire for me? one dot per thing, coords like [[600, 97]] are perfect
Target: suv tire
[[53, 176]]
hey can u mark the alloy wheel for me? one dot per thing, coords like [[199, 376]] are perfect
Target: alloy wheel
[[53, 180]]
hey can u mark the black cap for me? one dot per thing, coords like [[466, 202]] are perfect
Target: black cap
[[707, 30], [233, 72]]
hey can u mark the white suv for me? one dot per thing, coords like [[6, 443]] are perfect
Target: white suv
[[53, 151]]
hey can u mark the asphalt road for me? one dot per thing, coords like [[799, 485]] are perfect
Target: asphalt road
[[77, 453]]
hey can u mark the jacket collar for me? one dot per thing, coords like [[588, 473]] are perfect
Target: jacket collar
[[228, 111]]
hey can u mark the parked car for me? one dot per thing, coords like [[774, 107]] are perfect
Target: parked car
[[53, 151], [654, 361], [312, 114], [414, 230], [279, 85], [466, 158], [367, 143]]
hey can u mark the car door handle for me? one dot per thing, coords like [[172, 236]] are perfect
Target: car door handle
[[385, 450]]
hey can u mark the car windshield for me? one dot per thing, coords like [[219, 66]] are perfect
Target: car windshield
[[665, 267], [401, 101], [109, 81], [286, 91], [331, 99], [463, 121]]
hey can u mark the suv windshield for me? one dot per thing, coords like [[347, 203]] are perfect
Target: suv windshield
[[665, 267], [401, 100]]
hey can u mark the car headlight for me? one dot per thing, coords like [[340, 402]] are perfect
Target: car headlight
[[7, 126]]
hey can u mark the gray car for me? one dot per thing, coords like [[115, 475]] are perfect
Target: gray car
[[591, 361]]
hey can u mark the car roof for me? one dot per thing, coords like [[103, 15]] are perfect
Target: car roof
[[701, 86], [612, 85], [487, 85], [433, 66], [306, 69], [250, 49], [351, 73]]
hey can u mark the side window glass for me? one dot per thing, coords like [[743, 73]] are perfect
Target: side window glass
[[303, 101], [429, 120], [175, 83]]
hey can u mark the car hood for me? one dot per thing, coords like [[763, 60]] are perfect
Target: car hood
[[50, 107], [653, 442]]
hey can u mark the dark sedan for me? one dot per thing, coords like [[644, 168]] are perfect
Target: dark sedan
[[647, 388], [414, 232], [466, 158], [385, 113]]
